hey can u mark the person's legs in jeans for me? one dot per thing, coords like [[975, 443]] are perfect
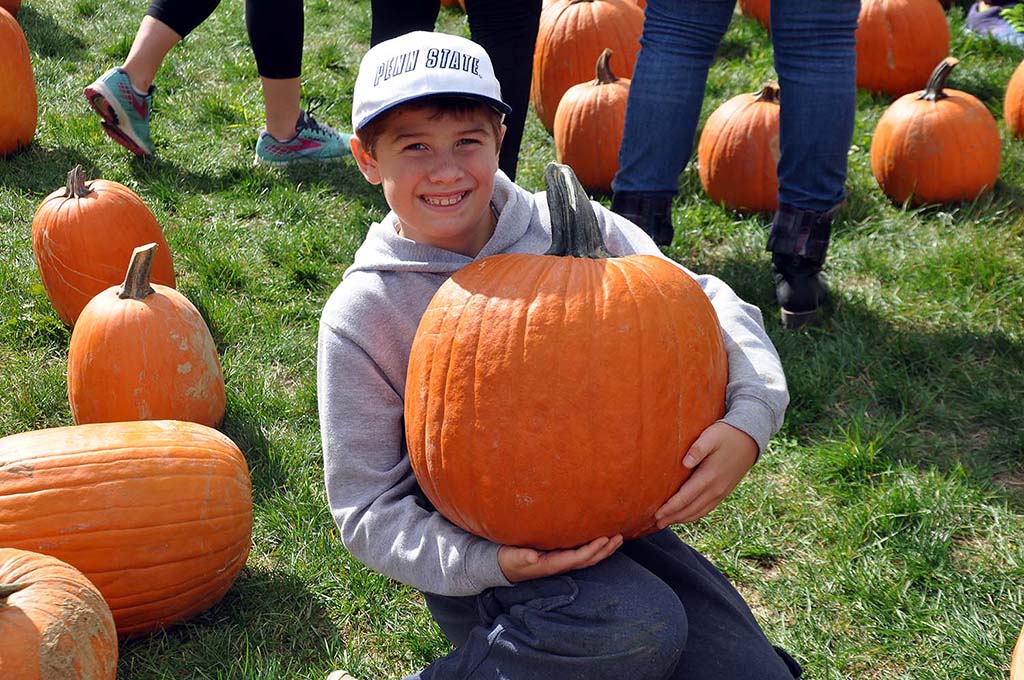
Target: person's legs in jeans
[[508, 31], [611, 621], [679, 41], [815, 58]]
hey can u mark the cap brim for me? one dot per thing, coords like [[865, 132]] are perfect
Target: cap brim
[[496, 104]]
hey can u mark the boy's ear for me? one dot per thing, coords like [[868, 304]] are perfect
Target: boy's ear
[[501, 137], [366, 162]]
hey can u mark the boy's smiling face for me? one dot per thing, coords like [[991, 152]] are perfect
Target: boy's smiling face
[[437, 172]]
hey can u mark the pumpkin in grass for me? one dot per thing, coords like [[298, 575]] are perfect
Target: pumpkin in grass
[[53, 622], [898, 44], [739, 150], [758, 9], [571, 36], [141, 351], [11, 6], [82, 236], [550, 398], [1013, 102], [589, 124], [937, 145], [157, 514], [19, 108], [1017, 661]]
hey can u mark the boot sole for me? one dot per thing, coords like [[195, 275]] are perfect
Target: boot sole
[[795, 320]]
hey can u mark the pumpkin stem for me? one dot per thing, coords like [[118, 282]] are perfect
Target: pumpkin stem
[[933, 90], [136, 282], [769, 93], [574, 228], [8, 589], [76, 186], [604, 69]]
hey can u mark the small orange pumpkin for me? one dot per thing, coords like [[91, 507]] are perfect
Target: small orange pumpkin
[[1013, 102], [589, 124], [758, 9], [738, 151], [53, 621], [142, 351], [550, 398], [19, 107], [937, 145], [571, 36], [898, 44], [84, 233], [157, 514]]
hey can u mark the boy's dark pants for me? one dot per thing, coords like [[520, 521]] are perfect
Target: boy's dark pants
[[655, 610]]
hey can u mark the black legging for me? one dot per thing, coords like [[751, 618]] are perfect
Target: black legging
[[275, 29], [507, 29]]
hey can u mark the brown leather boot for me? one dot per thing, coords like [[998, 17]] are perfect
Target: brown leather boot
[[798, 241], [651, 212]]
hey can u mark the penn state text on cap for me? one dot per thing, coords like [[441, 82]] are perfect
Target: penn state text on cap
[[422, 64]]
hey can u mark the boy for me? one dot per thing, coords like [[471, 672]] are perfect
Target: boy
[[427, 112]]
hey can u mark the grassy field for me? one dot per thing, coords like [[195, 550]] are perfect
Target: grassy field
[[881, 536]]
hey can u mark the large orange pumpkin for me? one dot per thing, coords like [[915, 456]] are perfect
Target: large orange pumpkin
[[53, 621], [157, 514], [1013, 102], [142, 351], [571, 36], [936, 145], [19, 108], [898, 44], [550, 398], [1017, 662], [758, 9], [589, 124], [82, 236], [739, 151]]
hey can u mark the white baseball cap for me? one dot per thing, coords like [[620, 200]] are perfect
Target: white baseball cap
[[422, 64]]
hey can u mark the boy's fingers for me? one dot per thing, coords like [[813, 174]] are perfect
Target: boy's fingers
[[698, 451]]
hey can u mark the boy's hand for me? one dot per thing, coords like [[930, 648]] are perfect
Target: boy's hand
[[721, 455], [523, 564]]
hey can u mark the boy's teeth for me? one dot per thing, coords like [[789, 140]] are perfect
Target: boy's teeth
[[443, 200]]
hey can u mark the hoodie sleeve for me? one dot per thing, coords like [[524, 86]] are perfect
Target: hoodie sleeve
[[756, 396], [384, 520]]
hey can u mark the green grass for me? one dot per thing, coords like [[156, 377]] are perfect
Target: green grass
[[881, 536]]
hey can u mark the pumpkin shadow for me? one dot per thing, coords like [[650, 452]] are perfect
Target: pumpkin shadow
[[267, 614], [47, 38], [893, 383]]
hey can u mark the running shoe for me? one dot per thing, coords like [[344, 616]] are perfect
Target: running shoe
[[124, 110], [313, 142]]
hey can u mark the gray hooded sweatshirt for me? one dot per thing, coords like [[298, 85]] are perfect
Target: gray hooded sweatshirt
[[366, 332]]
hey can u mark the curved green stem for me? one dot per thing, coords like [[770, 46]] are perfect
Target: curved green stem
[[574, 228], [933, 90]]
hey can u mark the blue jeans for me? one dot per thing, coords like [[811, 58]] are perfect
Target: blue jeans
[[815, 58], [655, 610]]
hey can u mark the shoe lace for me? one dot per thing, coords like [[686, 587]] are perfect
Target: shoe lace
[[308, 121], [1014, 15]]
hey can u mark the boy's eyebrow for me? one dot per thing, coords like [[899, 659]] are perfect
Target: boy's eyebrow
[[412, 135]]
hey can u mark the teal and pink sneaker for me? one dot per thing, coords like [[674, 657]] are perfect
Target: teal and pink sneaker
[[124, 110], [313, 142]]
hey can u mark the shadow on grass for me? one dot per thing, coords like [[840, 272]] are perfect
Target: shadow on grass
[[942, 398], [267, 618], [46, 38], [38, 170]]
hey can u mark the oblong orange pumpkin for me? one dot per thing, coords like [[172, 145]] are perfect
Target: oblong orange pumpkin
[[157, 514], [550, 399], [142, 351], [738, 152], [589, 124], [937, 145], [19, 107], [53, 621], [898, 44], [1013, 102], [571, 36], [82, 236]]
